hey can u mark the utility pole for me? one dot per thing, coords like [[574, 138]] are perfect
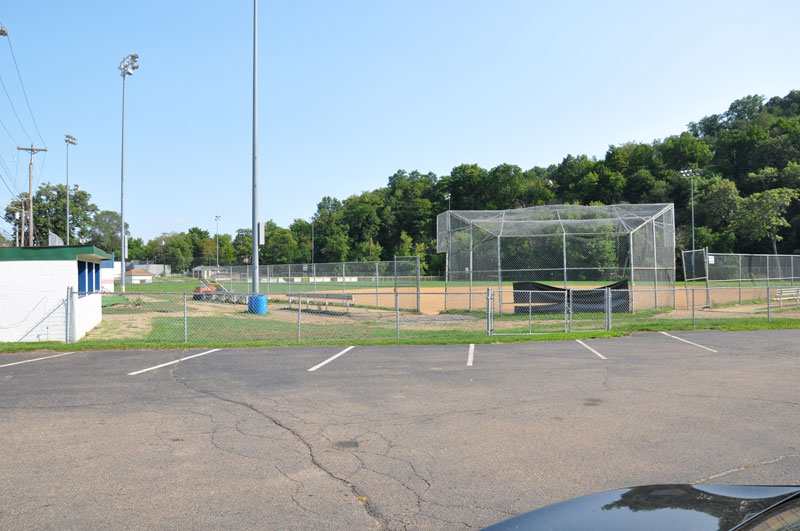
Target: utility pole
[[70, 140], [33, 151]]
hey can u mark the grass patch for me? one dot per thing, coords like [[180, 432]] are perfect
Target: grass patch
[[247, 330]]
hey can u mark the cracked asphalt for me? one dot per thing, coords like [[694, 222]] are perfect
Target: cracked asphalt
[[391, 437]]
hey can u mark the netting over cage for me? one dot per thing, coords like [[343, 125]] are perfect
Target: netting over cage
[[560, 244]]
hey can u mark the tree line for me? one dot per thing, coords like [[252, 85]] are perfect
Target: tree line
[[746, 183]]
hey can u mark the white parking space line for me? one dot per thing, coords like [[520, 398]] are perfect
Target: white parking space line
[[593, 350], [327, 361], [38, 359], [471, 354], [172, 362], [685, 341]]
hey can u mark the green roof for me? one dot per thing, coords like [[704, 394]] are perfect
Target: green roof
[[63, 252]]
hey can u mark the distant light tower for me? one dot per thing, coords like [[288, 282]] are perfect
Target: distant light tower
[[70, 140], [216, 237], [126, 68], [312, 241], [447, 197], [691, 173]]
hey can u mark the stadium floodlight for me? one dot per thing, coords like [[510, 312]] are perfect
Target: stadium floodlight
[[126, 68]]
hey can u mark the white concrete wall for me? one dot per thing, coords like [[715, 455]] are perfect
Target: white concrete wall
[[88, 313], [107, 276], [32, 300]]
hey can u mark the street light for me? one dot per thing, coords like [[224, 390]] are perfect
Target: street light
[[126, 68], [691, 173], [70, 140]]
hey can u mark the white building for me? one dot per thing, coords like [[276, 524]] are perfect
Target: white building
[[49, 293], [138, 276]]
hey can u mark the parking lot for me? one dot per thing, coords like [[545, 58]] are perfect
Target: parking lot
[[395, 437]]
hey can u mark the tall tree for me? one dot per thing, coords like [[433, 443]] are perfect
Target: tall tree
[[50, 212], [105, 231], [760, 215]]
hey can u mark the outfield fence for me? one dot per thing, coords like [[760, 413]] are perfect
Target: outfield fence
[[355, 317]]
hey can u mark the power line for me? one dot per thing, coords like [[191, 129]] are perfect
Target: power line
[[24, 93], [9, 132], [14, 109]]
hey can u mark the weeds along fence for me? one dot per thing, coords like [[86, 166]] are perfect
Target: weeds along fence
[[306, 318]]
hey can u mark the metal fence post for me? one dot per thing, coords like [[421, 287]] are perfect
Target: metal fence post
[[185, 322], [769, 304], [488, 311], [740, 279], [67, 304], [608, 308], [694, 320], [419, 306], [530, 312], [343, 277], [299, 311], [570, 309], [499, 277], [377, 286], [470, 267], [566, 319], [397, 313]]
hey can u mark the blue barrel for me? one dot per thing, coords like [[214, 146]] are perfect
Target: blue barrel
[[257, 304]]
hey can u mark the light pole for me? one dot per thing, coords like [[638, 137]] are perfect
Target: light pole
[[254, 264], [312, 242], [126, 68], [447, 197], [69, 140], [691, 173]]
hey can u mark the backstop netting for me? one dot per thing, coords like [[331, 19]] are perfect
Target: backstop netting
[[560, 245]]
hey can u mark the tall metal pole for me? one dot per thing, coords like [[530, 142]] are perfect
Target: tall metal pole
[[122, 195], [126, 68], [255, 154], [68, 139]]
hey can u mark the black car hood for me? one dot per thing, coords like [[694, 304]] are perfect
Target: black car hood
[[656, 507]]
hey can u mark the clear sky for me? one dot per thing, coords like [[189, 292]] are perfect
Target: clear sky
[[351, 91]]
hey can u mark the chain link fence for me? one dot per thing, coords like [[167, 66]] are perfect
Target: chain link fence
[[365, 280], [346, 318]]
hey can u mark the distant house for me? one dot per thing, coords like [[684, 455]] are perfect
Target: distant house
[[138, 276], [49, 293]]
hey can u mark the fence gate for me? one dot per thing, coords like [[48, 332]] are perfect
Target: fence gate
[[695, 269]]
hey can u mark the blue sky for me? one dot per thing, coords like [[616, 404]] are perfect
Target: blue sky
[[351, 91]]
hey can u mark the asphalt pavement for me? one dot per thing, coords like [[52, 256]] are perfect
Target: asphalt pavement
[[388, 437]]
